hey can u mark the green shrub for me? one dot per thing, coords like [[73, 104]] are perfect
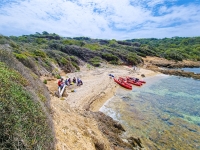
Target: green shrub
[[88, 66], [39, 53], [20, 57], [75, 65], [133, 59], [14, 45], [40, 40], [95, 61], [27, 61], [3, 40], [45, 81], [110, 57], [57, 76], [64, 61], [174, 55], [23, 124], [94, 46], [141, 54], [68, 42], [114, 62], [74, 59]]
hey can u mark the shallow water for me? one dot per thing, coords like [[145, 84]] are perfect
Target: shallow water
[[164, 112]]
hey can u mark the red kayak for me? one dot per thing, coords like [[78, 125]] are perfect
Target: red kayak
[[134, 82], [131, 81], [135, 79], [123, 83]]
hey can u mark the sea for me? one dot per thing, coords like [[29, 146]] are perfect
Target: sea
[[164, 113]]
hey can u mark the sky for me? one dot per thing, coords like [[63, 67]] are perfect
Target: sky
[[101, 19]]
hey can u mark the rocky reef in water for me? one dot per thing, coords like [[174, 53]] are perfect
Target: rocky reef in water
[[113, 131]]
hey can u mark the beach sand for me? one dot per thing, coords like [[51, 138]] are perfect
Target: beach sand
[[97, 86], [72, 129]]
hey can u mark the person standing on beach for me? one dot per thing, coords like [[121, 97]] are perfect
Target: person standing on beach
[[134, 68]]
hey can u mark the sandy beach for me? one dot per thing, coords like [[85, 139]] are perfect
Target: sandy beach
[[97, 88]]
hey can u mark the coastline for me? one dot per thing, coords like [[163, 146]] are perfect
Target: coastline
[[98, 87], [76, 114]]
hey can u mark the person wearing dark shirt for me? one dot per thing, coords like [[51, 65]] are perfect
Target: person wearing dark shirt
[[74, 80], [79, 82], [66, 82], [69, 80]]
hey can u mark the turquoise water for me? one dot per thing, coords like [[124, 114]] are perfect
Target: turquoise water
[[164, 113]]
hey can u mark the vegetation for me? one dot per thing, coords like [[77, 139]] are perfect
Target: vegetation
[[45, 81], [24, 101], [63, 50], [176, 48], [22, 121], [95, 61]]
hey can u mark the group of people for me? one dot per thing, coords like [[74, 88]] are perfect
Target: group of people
[[68, 82]]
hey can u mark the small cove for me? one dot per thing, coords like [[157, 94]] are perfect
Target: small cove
[[164, 112]]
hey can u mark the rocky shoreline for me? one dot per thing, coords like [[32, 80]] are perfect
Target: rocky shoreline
[[113, 130], [156, 64], [76, 117], [77, 122]]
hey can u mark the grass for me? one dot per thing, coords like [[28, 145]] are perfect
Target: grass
[[23, 124]]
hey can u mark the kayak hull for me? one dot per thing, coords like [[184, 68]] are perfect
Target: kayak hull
[[123, 83], [135, 83], [133, 79]]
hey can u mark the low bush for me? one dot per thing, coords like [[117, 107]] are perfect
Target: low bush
[[95, 61], [64, 61], [23, 124], [110, 57], [133, 60], [3, 41], [75, 65], [45, 81], [40, 53]]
